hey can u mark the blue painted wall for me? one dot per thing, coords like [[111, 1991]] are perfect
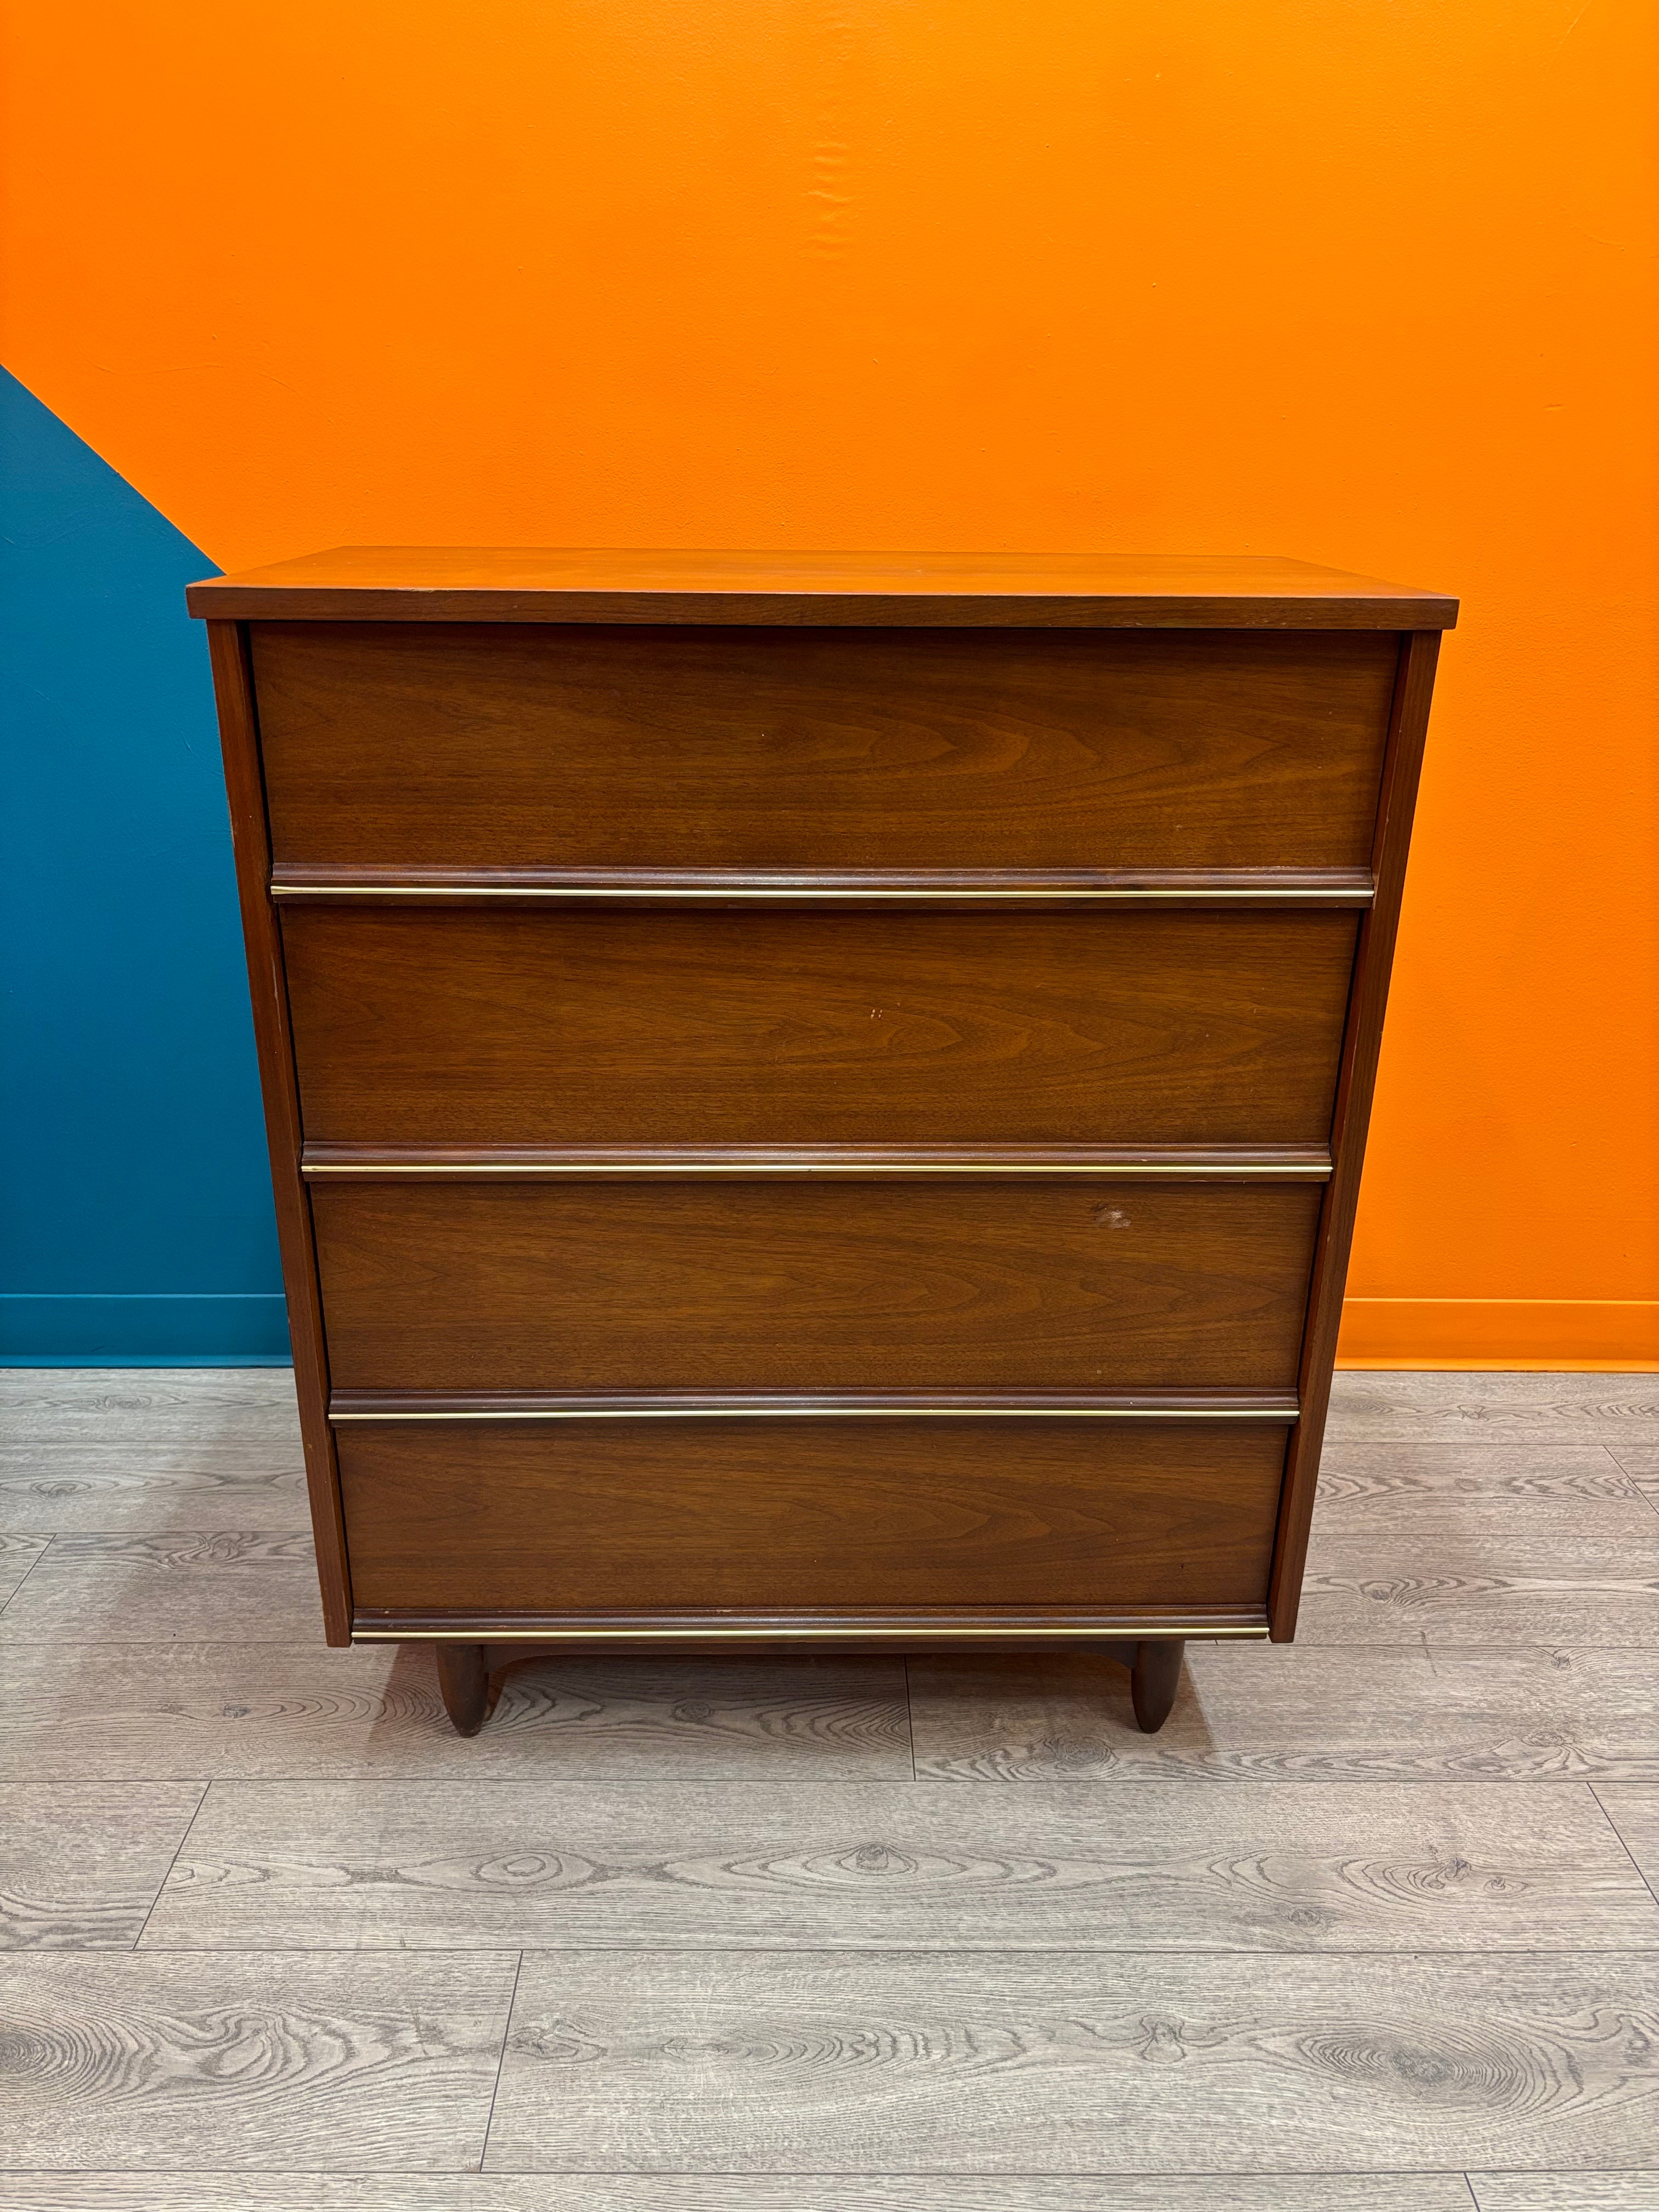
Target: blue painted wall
[[138, 1226]]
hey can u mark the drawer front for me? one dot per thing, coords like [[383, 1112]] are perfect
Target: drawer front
[[768, 1513], [684, 1027], [688, 1286], [394, 745]]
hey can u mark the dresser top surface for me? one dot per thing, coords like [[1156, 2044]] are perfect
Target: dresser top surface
[[505, 583]]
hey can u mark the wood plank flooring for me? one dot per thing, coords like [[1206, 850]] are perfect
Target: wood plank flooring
[[289, 2060], [1003, 2061], [888, 1866], [1372, 1925], [712, 2192], [83, 1860]]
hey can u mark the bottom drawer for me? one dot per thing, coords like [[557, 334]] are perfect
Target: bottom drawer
[[765, 1513]]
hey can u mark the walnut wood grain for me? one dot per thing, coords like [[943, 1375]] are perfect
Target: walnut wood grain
[[809, 1514], [268, 989], [387, 747], [852, 1285], [557, 584], [704, 1028]]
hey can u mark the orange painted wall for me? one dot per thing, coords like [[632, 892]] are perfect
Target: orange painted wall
[[1368, 282]]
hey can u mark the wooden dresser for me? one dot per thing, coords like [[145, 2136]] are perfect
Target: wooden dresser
[[814, 1098]]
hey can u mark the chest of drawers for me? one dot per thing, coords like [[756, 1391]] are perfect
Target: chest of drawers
[[815, 1099]]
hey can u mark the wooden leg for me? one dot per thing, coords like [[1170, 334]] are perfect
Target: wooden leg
[[465, 1680], [1157, 1672]]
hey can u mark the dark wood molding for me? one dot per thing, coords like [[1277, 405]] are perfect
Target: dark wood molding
[[623, 1163], [229, 599], [1355, 1084], [824, 1405], [506, 584], [268, 988]]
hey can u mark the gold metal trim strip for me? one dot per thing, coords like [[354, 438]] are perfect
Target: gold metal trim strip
[[1124, 1633], [1282, 1417], [321, 1170], [1289, 896]]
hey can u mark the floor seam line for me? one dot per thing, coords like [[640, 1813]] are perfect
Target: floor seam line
[[1440, 1953], [833, 2174], [50, 1540], [500, 2064], [1623, 1845], [172, 1862]]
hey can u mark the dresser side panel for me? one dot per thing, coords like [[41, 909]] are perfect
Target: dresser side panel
[[1356, 1085], [268, 989]]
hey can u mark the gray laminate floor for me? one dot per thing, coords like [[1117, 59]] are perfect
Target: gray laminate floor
[[1370, 1927]]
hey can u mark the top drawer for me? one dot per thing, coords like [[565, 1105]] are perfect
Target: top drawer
[[462, 746]]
